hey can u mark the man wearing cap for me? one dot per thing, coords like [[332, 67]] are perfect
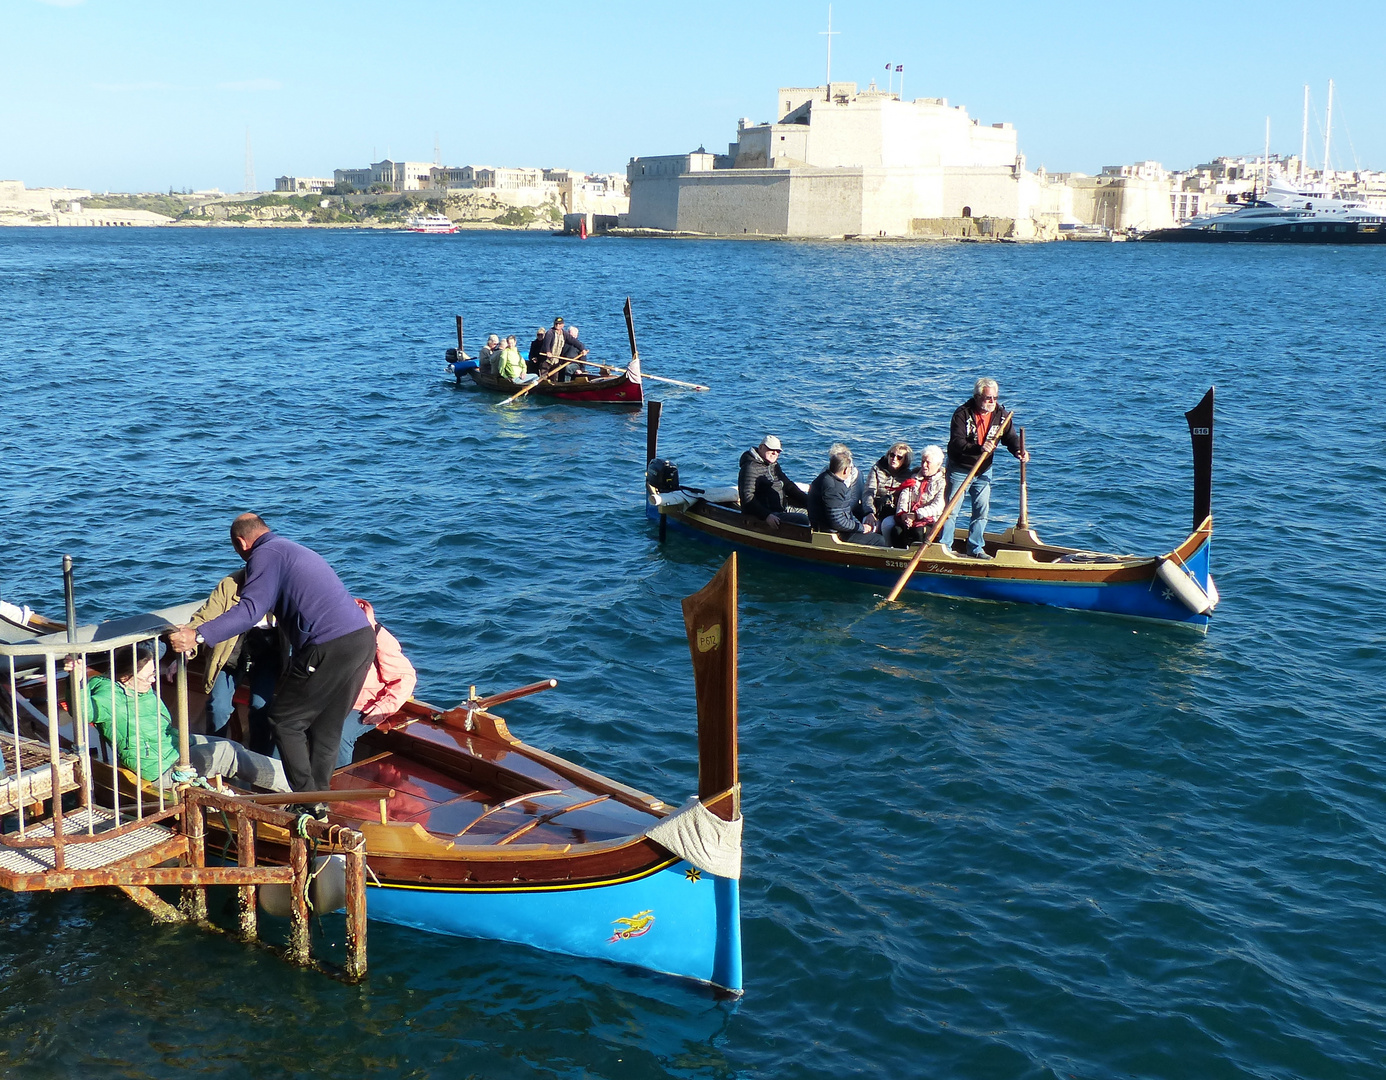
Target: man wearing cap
[[972, 437], [766, 492], [555, 341]]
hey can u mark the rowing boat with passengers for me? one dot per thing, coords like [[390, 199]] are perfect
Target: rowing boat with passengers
[[568, 381], [472, 832], [1175, 587]]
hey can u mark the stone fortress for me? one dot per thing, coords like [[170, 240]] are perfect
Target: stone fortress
[[842, 161], [846, 162]]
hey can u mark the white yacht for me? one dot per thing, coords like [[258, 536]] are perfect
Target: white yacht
[[1288, 214]]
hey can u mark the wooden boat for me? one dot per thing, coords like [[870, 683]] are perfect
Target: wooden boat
[[488, 837], [620, 389], [1176, 587]]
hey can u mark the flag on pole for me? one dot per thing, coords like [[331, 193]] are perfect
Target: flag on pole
[[899, 67]]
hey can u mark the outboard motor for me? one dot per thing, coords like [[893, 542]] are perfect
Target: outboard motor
[[459, 363], [662, 475]]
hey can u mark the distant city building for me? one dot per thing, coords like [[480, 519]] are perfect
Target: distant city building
[[842, 161], [390, 175], [571, 191], [302, 185]]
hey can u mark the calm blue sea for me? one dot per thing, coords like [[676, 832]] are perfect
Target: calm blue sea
[[982, 841]]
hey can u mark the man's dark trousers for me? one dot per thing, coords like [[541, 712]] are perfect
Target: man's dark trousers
[[312, 699]]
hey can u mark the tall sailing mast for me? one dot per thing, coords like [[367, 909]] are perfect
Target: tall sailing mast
[[1304, 136], [1328, 134]]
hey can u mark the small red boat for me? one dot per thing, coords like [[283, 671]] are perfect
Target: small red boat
[[620, 387]]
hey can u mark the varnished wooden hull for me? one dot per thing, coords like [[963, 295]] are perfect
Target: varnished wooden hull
[[617, 390], [586, 883], [1019, 572]]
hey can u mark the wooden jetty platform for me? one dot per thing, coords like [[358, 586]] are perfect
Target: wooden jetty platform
[[63, 831]]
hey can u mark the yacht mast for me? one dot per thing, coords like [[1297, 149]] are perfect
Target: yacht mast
[[1265, 187], [1328, 132], [1304, 135]]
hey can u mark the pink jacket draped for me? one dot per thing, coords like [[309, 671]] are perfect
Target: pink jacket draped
[[390, 679]]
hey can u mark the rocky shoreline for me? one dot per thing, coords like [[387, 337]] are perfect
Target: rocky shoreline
[[67, 207]]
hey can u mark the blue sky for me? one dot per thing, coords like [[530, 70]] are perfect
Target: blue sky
[[119, 95]]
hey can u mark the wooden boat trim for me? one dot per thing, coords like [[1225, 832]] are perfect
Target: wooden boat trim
[[827, 548], [566, 886], [545, 818], [492, 728], [617, 390], [504, 805]]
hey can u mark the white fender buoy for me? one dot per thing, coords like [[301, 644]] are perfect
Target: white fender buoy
[[327, 891], [1213, 596], [1181, 583]]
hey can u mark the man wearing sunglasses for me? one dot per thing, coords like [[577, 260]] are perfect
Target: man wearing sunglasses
[[972, 438], [766, 492]]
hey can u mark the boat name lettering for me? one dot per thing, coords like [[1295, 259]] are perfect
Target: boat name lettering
[[710, 638], [1199, 430]]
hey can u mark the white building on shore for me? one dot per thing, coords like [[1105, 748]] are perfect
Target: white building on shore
[[840, 161]]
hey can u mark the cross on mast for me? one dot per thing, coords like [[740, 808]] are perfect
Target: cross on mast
[[828, 33]]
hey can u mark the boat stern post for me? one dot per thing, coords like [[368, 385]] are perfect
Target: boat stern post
[[710, 621], [652, 414]]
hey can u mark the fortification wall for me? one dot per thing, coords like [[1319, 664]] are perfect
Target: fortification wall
[[981, 192], [654, 202], [825, 202], [733, 202]]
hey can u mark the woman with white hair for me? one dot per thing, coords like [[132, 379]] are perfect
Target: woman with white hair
[[488, 359], [920, 500]]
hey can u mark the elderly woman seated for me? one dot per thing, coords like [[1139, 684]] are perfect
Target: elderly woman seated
[[920, 501], [489, 356], [129, 715]]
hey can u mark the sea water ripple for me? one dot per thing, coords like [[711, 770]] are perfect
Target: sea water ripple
[[982, 841]]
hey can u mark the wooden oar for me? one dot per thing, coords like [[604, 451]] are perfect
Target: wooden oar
[[676, 382], [530, 386], [948, 510], [1022, 520], [635, 356]]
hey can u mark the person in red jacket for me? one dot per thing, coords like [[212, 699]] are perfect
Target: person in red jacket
[[972, 437], [389, 682]]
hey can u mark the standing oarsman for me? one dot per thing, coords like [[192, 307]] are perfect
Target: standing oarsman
[[972, 437], [332, 641], [555, 341]]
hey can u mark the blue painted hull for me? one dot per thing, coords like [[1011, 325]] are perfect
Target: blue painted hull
[[1143, 599], [675, 919]]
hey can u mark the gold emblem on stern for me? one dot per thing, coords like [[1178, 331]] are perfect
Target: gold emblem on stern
[[693, 873], [638, 925], [710, 638]]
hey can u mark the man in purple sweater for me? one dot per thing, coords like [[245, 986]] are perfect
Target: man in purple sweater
[[332, 641]]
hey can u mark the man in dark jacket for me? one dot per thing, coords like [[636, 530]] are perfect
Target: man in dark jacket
[[972, 437], [332, 640], [837, 501], [766, 492], [535, 360], [555, 341]]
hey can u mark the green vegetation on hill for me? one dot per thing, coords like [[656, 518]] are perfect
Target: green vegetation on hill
[[173, 206]]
